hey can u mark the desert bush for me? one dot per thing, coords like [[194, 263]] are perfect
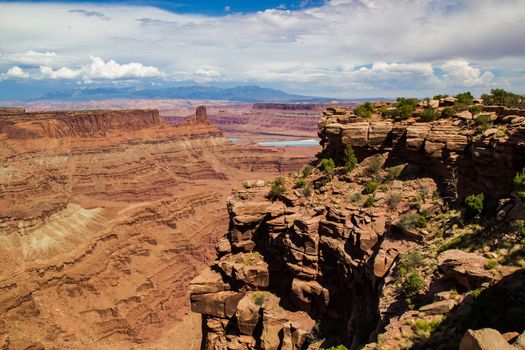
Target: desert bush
[[501, 97], [375, 165], [474, 204], [464, 99], [369, 202], [300, 183], [424, 328], [412, 220], [327, 165], [370, 187], [383, 188], [408, 262], [350, 161], [448, 112], [429, 115], [278, 187], [491, 264], [394, 200], [393, 173], [412, 285], [519, 184], [439, 97], [258, 299], [476, 109], [483, 122], [364, 110], [356, 197], [307, 171], [307, 190]]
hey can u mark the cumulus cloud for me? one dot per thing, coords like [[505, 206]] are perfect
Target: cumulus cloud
[[414, 44], [15, 73], [460, 73], [98, 69]]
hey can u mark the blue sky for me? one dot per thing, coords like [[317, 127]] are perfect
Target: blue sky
[[332, 48], [205, 7]]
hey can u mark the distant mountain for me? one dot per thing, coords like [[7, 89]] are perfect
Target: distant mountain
[[250, 93]]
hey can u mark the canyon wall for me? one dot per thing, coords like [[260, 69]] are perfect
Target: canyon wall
[[363, 257], [105, 218]]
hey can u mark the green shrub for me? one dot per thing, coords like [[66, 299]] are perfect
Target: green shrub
[[439, 97], [412, 220], [476, 109], [307, 190], [300, 183], [474, 204], [448, 112], [356, 197], [383, 188], [393, 173], [370, 187], [258, 299], [408, 262], [412, 285], [424, 328], [519, 184], [464, 99], [307, 170], [394, 200], [350, 161], [483, 122], [491, 264], [278, 187], [429, 115], [327, 165], [369, 202], [364, 110], [375, 165], [500, 97]]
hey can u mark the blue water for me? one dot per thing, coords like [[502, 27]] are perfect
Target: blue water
[[297, 143]]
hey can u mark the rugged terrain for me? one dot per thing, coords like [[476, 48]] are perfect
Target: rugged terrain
[[407, 232], [105, 218]]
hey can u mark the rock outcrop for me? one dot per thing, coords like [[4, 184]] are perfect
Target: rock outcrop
[[358, 251]]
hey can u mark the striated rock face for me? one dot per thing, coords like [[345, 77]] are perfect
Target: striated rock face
[[484, 162], [105, 216]]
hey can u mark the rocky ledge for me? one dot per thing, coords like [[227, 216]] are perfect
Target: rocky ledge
[[377, 251]]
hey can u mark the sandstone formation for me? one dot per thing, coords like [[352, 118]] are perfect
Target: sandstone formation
[[105, 218], [365, 254]]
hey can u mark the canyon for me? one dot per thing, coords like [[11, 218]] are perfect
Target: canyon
[[106, 216], [371, 246]]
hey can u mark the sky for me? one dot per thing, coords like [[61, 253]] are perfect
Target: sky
[[332, 48]]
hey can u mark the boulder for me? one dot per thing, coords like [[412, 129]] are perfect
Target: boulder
[[247, 315], [468, 269], [220, 304], [223, 246], [439, 307], [464, 115], [208, 281], [484, 339]]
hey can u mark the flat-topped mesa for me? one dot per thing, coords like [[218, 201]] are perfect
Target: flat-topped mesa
[[485, 152], [11, 110], [56, 124]]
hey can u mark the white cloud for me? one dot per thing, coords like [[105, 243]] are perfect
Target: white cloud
[[460, 73], [98, 69], [16, 73], [31, 57], [307, 51]]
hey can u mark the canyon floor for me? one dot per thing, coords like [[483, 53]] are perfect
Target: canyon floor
[[107, 215]]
